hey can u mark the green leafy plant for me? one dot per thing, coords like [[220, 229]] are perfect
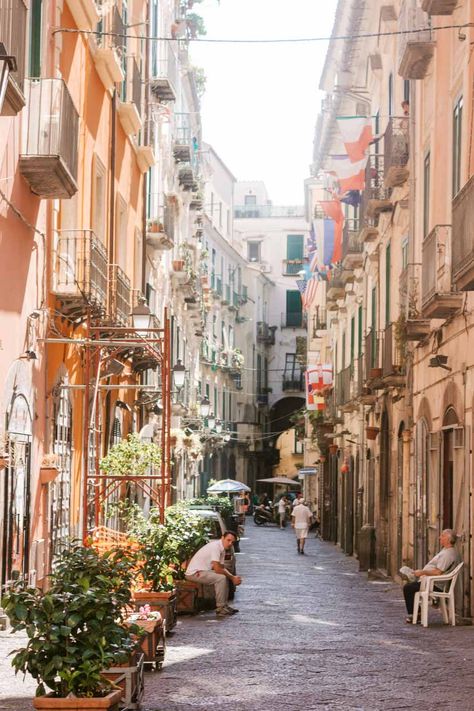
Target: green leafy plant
[[131, 456], [76, 628]]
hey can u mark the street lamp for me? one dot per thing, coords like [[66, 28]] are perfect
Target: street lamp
[[211, 421], [179, 372], [218, 426], [141, 318], [205, 407], [7, 65]]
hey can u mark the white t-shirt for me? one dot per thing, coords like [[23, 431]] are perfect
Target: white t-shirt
[[281, 506], [203, 559], [444, 560], [302, 516], [296, 502]]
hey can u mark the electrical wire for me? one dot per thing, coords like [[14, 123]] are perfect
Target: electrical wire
[[275, 40]]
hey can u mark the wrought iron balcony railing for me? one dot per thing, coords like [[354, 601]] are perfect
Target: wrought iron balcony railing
[[438, 298], [80, 272], [293, 266], [13, 29], [463, 238], [396, 152], [372, 360], [49, 162], [164, 70], [393, 353], [119, 296]]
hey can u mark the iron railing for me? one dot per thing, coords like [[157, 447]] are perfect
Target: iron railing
[[53, 122], [319, 320], [463, 238], [436, 263], [268, 211], [292, 381], [396, 150], [343, 386], [359, 375], [165, 66], [393, 356], [13, 29], [293, 266], [350, 238], [80, 267], [293, 319], [371, 352], [119, 306]]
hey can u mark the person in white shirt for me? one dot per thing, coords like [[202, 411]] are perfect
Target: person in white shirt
[[207, 566], [298, 499], [282, 504], [301, 518]]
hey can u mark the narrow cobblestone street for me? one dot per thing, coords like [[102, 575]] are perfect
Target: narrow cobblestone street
[[312, 633]]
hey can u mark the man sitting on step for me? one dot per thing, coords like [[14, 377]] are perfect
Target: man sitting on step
[[207, 567]]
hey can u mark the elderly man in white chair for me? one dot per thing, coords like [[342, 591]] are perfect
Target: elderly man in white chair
[[442, 563]]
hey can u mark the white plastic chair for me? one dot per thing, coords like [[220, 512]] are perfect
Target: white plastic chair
[[427, 593]]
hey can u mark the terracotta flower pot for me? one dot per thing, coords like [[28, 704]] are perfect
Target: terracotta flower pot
[[48, 703], [375, 373], [48, 474], [372, 432]]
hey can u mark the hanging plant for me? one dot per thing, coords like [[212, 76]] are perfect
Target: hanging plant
[[131, 457]]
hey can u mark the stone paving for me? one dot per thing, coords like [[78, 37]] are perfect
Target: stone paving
[[312, 633]]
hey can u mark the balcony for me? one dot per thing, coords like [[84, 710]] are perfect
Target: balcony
[[438, 299], [165, 74], [265, 333], [292, 381], [49, 163], [373, 371], [108, 55], [393, 357], [439, 7], [319, 323], [119, 293], [343, 393], [417, 329], [416, 49], [160, 231], [291, 267], [183, 145], [145, 150], [258, 211], [396, 152], [335, 288], [293, 319], [129, 106], [13, 29], [79, 273], [186, 177], [352, 250], [463, 238], [376, 198], [85, 13], [226, 295]]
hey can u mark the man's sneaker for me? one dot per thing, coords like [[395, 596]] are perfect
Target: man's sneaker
[[232, 610], [408, 574], [223, 612]]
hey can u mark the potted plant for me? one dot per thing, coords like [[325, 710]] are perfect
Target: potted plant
[[152, 642], [49, 468], [75, 629], [131, 456]]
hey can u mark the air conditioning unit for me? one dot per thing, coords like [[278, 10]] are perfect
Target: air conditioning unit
[[266, 268]]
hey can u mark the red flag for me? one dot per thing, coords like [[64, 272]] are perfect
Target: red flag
[[332, 209]]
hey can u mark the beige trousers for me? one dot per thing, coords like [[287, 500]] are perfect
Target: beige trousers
[[209, 577]]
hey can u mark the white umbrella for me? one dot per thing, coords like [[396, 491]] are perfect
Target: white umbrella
[[227, 486]]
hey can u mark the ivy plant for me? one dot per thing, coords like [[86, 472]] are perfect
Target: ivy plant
[[77, 627]]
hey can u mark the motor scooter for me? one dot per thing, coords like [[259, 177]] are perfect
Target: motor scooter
[[264, 514]]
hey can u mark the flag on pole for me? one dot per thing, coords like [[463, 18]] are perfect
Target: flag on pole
[[356, 132]]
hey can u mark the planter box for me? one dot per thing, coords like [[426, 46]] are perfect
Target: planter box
[[129, 677], [111, 702], [153, 644], [186, 595], [163, 601]]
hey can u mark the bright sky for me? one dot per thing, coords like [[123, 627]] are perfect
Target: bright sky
[[261, 102]]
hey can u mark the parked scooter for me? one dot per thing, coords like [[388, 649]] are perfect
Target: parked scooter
[[264, 514]]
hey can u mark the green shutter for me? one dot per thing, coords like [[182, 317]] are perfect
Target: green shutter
[[359, 335], [35, 38], [352, 338], [294, 308], [294, 246]]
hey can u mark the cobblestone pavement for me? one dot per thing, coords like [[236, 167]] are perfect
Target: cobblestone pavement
[[312, 633]]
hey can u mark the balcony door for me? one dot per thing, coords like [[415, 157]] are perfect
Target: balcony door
[[294, 309]]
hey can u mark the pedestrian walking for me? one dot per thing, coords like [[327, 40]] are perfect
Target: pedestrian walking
[[282, 504], [298, 499], [301, 518], [207, 566]]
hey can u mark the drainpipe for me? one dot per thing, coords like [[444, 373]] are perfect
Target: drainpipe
[[148, 136], [113, 139]]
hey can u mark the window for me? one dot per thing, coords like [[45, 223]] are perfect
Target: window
[[388, 259], [98, 199], [426, 194], [292, 376], [253, 251], [36, 28], [352, 339], [457, 143], [294, 253], [250, 200], [294, 309]]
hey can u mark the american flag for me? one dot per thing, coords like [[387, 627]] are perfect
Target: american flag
[[301, 284], [310, 293]]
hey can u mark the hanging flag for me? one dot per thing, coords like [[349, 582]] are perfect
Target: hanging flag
[[352, 198], [327, 231], [314, 264], [301, 284], [356, 132], [351, 176], [317, 378], [332, 209], [310, 293]]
